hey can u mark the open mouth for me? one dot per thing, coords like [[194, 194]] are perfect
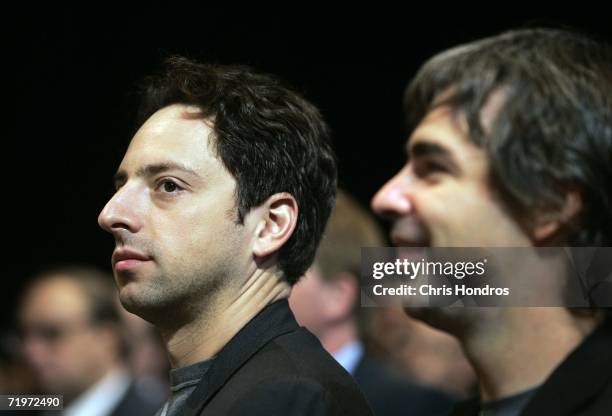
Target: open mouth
[[409, 232]]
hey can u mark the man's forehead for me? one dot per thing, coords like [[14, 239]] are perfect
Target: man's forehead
[[444, 117], [444, 135], [172, 116], [57, 295], [170, 135], [443, 128]]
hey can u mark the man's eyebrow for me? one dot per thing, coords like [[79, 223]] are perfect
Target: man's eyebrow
[[155, 169], [425, 148]]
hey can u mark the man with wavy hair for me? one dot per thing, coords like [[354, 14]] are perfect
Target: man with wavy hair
[[221, 200], [510, 145]]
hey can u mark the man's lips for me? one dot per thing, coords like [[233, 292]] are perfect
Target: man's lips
[[124, 259], [408, 232], [399, 241]]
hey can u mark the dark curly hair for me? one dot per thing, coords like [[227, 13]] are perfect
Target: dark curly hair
[[267, 136], [553, 131]]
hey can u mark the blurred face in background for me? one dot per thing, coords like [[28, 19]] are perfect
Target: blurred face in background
[[66, 352], [443, 197], [307, 303]]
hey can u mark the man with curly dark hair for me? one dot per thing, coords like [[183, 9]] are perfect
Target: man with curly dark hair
[[221, 200], [510, 145]]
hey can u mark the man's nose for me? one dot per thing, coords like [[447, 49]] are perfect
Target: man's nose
[[121, 213], [394, 198]]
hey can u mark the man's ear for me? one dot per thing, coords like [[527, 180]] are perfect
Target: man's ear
[[551, 227], [276, 225]]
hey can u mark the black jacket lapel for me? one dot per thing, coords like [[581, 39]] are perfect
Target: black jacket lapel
[[579, 378], [274, 320]]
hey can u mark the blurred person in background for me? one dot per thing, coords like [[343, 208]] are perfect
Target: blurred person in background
[[15, 375], [511, 146], [147, 358], [71, 333], [327, 301], [425, 354]]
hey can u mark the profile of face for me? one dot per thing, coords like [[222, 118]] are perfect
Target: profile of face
[[442, 197], [173, 218], [66, 352]]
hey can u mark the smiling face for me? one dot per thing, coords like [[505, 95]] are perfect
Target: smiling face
[[174, 220], [442, 197]]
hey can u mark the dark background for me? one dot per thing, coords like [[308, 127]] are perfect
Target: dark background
[[69, 72]]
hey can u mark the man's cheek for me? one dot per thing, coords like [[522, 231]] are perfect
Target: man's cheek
[[435, 209], [450, 221]]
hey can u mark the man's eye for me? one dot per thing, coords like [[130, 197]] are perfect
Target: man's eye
[[169, 186], [426, 168]]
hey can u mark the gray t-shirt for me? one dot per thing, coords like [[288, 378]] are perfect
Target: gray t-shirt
[[183, 382]]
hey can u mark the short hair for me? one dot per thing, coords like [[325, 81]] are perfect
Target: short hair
[[97, 286], [553, 132], [267, 136], [350, 228]]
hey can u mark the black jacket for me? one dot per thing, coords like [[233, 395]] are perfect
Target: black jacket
[[391, 395], [274, 367], [580, 386]]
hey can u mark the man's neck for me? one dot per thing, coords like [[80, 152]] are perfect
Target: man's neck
[[521, 349], [203, 337]]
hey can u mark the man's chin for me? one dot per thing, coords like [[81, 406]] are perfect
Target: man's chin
[[447, 319], [126, 277], [422, 314], [150, 304], [134, 300]]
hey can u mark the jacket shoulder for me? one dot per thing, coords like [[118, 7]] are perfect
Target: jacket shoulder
[[292, 375]]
